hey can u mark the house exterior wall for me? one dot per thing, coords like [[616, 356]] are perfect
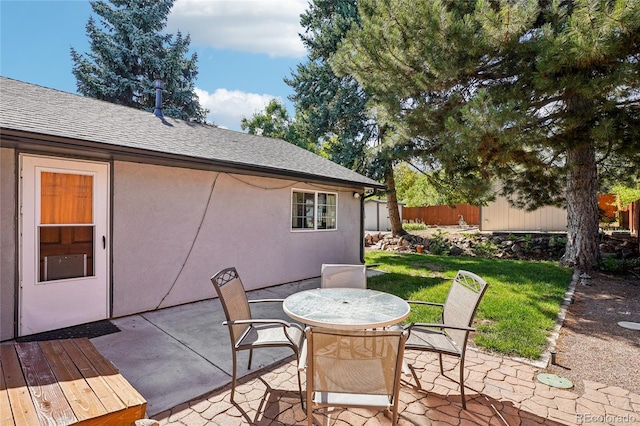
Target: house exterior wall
[[166, 243], [500, 216], [8, 225], [158, 210]]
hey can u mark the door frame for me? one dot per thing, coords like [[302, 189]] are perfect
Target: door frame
[[71, 164]]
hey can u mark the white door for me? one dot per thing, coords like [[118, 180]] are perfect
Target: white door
[[63, 253]]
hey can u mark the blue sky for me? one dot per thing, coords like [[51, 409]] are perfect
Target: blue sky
[[245, 48]]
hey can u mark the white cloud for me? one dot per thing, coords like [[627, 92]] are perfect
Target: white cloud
[[255, 26], [228, 107]]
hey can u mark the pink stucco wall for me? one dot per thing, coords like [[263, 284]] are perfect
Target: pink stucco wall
[[171, 233]]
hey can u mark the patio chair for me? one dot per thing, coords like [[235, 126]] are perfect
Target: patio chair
[[450, 336], [248, 333], [343, 275], [350, 369]]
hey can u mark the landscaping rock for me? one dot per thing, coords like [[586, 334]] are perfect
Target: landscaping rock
[[536, 246], [456, 251]]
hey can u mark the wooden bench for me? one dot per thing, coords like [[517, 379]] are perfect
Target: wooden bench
[[64, 382]]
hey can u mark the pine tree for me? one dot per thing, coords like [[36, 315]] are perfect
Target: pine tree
[[129, 52], [275, 122], [335, 107], [541, 95]]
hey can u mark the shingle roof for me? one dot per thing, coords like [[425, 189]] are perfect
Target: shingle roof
[[39, 110]]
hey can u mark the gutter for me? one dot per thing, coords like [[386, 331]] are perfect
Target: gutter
[[362, 229]]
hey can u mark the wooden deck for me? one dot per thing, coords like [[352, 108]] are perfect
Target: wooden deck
[[64, 382]]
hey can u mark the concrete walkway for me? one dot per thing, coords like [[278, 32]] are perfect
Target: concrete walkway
[[179, 359]]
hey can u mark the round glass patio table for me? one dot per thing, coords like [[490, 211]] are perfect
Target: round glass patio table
[[346, 308]]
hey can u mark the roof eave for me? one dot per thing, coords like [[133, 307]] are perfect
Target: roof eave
[[41, 143]]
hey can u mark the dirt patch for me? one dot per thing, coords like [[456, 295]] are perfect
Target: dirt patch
[[591, 345]]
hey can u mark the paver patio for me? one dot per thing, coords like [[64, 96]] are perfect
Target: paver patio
[[186, 357], [500, 391]]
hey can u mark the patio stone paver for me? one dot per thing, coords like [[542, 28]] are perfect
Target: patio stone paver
[[499, 392]]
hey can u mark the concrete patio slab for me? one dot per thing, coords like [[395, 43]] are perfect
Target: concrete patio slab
[[157, 365], [176, 354]]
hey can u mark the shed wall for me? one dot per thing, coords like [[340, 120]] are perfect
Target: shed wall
[[376, 215], [500, 216]]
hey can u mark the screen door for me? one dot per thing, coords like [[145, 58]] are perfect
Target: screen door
[[64, 256]]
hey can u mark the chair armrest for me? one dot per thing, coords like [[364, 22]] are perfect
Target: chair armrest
[[280, 322], [265, 300], [420, 302], [436, 325], [264, 321]]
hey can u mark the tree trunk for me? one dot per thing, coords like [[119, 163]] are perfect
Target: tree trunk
[[392, 202], [582, 250]]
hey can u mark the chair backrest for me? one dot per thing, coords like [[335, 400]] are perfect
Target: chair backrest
[[343, 275], [364, 362], [233, 298], [461, 304]]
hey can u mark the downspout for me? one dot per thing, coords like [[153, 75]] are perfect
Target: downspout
[[362, 229], [17, 221], [363, 197]]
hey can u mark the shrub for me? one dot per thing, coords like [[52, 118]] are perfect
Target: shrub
[[440, 244], [617, 266], [414, 226], [484, 248]]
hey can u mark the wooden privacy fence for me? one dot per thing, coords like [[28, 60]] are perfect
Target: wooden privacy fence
[[442, 215]]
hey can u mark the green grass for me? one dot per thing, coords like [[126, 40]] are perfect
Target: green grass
[[414, 226], [516, 314]]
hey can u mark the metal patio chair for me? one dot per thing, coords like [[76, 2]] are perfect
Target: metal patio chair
[[350, 369], [450, 336], [343, 275], [248, 333]]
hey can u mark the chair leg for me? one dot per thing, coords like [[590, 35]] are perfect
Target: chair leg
[[415, 376], [464, 403], [250, 358], [394, 419], [441, 368], [300, 390], [233, 377]]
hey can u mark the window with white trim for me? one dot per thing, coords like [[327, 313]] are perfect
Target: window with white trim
[[313, 210]]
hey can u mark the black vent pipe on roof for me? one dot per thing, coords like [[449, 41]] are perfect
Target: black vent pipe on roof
[[159, 86]]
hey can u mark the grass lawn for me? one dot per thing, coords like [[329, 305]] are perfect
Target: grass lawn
[[517, 312]]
